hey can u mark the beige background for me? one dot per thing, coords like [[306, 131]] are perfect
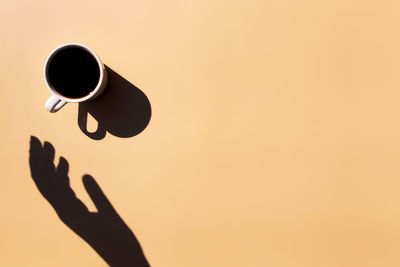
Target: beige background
[[274, 138]]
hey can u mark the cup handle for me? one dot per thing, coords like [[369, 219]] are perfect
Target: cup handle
[[53, 104]]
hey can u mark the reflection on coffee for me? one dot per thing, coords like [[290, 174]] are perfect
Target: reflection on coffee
[[73, 72]]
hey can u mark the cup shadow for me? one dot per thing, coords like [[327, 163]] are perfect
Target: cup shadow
[[123, 110], [104, 230]]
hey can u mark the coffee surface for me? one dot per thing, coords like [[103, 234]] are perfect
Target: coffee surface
[[73, 72]]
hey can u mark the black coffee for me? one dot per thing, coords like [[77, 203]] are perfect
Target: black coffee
[[73, 72]]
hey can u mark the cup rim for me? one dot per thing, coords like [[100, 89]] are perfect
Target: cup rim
[[54, 91]]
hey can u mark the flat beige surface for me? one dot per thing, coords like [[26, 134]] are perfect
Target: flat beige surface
[[274, 138]]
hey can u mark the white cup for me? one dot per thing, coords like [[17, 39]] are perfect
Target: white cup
[[57, 100]]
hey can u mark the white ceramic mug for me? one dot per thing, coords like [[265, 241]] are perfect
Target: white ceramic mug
[[57, 101]]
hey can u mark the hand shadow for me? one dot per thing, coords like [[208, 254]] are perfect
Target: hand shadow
[[123, 110], [104, 230]]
